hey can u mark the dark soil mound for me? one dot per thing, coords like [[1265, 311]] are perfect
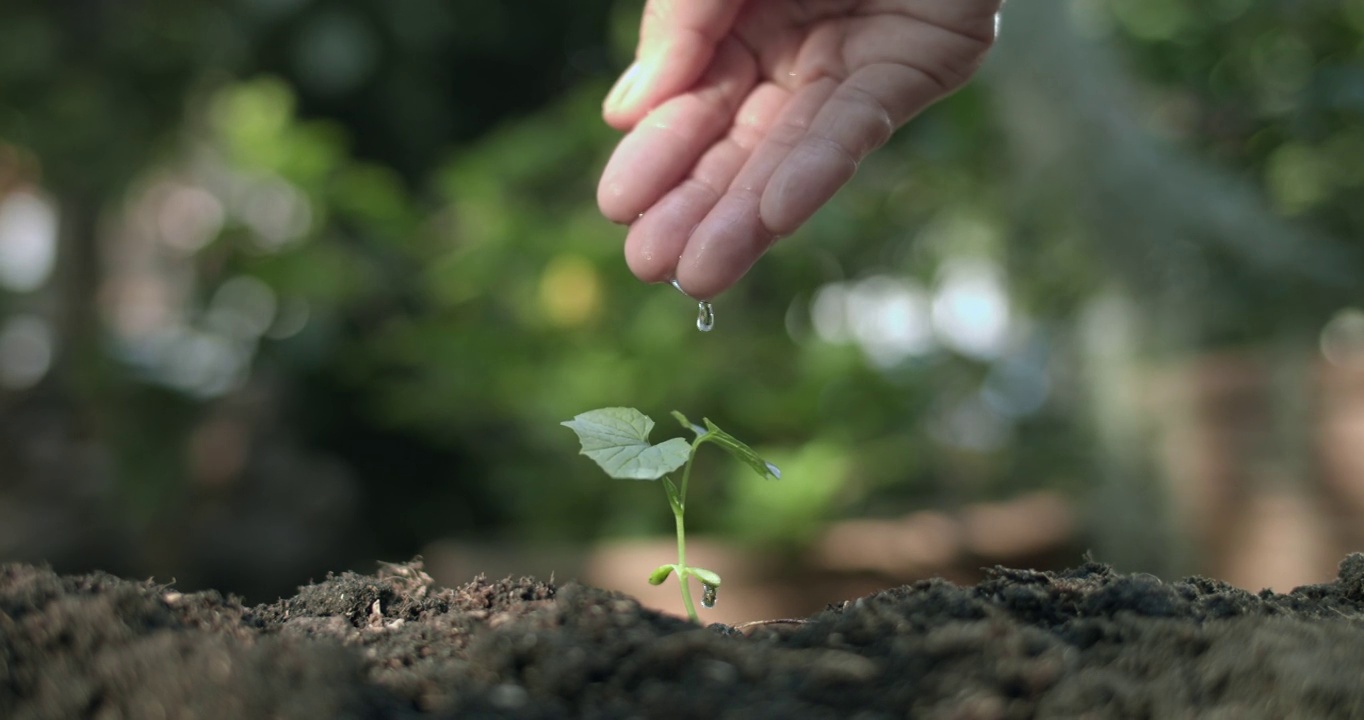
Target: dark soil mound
[[1022, 644]]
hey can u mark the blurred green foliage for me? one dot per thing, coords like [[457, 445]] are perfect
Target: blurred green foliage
[[463, 294], [1273, 91]]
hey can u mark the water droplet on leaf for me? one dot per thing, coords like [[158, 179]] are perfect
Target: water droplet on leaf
[[708, 595]]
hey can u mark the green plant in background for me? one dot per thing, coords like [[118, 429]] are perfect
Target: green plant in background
[[790, 516], [617, 439]]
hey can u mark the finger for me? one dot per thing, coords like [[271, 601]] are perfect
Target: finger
[[677, 42], [974, 18], [656, 241], [659, 152], [858, 118], [883, 94], [733, 235]]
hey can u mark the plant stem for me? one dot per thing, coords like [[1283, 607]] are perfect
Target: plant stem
[[682, 574], [678, 500]]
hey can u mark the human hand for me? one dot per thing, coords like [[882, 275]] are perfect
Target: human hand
[[745, 116]]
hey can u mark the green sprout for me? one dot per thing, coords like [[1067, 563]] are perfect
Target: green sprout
[[617, 439]]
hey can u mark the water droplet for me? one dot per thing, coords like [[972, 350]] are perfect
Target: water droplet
[[776, 471], [708, 595], [705, 316]]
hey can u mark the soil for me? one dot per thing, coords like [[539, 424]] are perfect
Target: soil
[[1087, 642]]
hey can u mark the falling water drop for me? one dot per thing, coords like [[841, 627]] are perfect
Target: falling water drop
[[705, 314], [708, 595]]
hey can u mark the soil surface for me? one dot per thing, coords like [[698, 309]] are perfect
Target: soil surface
[[1087, 642]]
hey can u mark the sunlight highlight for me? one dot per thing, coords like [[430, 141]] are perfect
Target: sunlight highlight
[[28, 241]]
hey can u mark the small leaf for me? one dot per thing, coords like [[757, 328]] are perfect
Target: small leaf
[[740, 450], [689, 425], [705, 576], [617, 439], [660, 574], [674, 497]]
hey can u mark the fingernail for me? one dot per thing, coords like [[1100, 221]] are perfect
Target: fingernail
[[621, 91]]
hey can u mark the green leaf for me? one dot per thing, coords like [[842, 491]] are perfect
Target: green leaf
[[674, 497], [689, 425], [660, 574], [617, 439], [740, 450], [705, 576]]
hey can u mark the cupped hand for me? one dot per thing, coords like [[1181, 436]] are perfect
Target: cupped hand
[[745, 116]]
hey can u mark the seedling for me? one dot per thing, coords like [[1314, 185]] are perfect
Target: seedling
[[617, 439]]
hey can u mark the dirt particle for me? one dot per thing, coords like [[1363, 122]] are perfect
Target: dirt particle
[[719, 671], [508, 696], [1351, 577], [829, 667], [986, 707]]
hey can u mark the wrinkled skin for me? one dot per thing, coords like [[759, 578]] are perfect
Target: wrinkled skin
[[744, 118]]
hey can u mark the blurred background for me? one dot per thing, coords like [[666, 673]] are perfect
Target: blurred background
[[295, 286]]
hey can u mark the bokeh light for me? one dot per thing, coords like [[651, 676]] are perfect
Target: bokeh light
[[28, 241]]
